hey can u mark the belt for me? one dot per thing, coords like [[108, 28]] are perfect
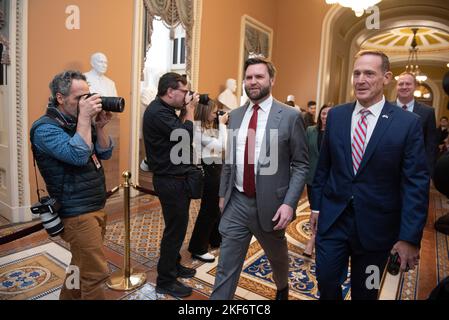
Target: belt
[[244, 193]]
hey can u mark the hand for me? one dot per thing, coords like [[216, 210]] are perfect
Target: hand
[[314, 222], [103, 118], [224, 118], [284, 215], [191, 100], [89, 107], [408, 253], [221, 204]]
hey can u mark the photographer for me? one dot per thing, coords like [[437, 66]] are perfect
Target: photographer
[[209, 147], [68, 143], [160, 122]]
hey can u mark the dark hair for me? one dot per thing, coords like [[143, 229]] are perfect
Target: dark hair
[[311, 103], [270, 66], [202, 112], [319, 123], [170, 80], [385, 61], [62, 82]]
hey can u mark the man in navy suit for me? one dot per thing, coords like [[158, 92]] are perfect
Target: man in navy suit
[[406, 87], [371, 187]]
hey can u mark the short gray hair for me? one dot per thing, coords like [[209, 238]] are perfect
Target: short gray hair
[[62, 82]]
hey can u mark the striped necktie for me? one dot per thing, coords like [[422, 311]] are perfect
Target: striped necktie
[[359, 139]]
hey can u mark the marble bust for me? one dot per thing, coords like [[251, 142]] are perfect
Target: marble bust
[[96, 79], [227, 97]]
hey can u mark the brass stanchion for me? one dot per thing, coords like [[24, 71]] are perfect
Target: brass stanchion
[[126, 279]]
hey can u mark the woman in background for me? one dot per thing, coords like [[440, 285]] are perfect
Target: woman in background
[[314, 136], [209, 143]]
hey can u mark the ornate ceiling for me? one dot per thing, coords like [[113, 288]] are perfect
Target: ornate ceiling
[[399, 40]]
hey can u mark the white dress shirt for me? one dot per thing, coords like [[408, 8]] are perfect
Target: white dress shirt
[[212, 142], [371, 119], [262, 118], [409, 105]]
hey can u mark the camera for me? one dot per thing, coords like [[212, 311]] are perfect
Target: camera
[[113, 104], [394, 264], [204, 97], [47, 209], [219, 113]]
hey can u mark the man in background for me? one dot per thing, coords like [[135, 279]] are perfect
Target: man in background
[[160, 121], [406, 86]]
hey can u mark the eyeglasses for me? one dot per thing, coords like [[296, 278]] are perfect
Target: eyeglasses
[[182, 90]]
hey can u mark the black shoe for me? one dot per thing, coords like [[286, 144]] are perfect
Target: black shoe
[[282, 294], [176, 289], [184, 272]]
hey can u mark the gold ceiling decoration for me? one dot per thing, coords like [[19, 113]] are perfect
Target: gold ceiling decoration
[[400, 39]]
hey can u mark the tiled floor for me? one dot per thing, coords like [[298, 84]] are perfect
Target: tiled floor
[[37, 264]]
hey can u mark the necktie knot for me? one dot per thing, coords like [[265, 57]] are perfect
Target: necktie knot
[[365, 113], [404, 107], [256, 108]]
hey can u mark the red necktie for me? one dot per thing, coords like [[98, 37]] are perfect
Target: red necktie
[[358, 140], [249, 180]]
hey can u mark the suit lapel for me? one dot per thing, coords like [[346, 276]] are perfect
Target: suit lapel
[[383, 123], [417, 109], [273, 121], [347, 137]]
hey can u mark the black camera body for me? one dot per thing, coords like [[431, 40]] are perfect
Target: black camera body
[[394, 264], [220, 112], [204, 97], [112, 104], [47, 209]]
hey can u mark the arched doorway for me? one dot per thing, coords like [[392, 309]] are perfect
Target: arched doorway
[[344, 34]]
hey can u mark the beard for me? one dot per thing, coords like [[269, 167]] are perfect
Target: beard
[[263, 93]]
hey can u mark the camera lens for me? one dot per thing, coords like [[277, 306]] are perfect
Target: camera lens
[[113, 104], [204, 98]]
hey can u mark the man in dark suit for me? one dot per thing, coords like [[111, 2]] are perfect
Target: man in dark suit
[[371, 188], [406, 87]]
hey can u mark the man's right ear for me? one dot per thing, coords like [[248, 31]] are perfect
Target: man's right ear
[[60, 98]]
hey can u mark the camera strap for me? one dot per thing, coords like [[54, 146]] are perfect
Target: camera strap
[[35, 175], [54, 114]]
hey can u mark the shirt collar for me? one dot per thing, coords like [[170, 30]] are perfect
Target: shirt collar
[[165, 104], [264, 106], [409, 105], [375, 109]]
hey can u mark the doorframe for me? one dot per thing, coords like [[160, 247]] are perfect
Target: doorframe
[[138, 34]]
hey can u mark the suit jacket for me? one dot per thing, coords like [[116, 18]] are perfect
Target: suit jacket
[[390, 191], [314, 153], [428, 122], [281, 169]]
